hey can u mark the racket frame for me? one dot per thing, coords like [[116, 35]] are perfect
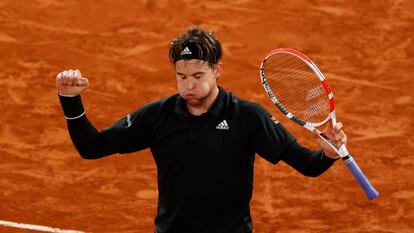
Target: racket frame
[[341, 151], [311, 126]]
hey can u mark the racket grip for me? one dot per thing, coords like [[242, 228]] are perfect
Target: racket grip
[[361, 178]]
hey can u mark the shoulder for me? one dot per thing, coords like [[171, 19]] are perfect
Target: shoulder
[[158, 106], [251, 112], [161, 104], [255, 118], [249, 108], [254, 113], [246, 106]]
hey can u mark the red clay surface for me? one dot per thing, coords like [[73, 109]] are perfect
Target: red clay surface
[[365, 51]]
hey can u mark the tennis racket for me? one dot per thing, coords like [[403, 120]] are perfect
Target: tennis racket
[[299, 89]]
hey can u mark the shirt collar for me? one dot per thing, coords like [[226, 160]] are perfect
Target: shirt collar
[[181, 109]]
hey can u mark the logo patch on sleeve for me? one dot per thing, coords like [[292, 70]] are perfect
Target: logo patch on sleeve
[[129, 123], [274, 120]]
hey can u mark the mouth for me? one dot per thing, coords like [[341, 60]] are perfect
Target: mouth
[[189, 95]]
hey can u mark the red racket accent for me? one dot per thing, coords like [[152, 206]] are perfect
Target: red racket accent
[[326, 87], [331, 105]]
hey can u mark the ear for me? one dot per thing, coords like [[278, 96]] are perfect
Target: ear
[[218, 69]]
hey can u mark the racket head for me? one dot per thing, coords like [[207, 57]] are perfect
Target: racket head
[[297, 87]]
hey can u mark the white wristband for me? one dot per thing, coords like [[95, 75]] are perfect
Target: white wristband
[[323, 154], [66, 95], [74, 118]]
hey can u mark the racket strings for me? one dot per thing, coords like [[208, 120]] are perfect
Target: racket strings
[[297, 87]]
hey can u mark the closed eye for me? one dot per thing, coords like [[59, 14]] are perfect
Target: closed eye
[[196, 75], [181, 76]]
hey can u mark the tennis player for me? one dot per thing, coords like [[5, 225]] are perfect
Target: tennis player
[[203, 139]]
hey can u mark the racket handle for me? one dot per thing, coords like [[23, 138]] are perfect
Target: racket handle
[[360, 177]]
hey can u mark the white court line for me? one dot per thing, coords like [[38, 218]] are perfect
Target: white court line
[[36, 227]]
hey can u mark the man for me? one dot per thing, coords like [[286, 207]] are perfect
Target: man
[[203, 140]]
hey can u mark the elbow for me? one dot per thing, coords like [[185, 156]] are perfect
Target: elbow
[[86, 155], [93, 150], [313, 173], [89, 154]]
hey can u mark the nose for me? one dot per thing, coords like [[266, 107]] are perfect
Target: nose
[[189, 84]]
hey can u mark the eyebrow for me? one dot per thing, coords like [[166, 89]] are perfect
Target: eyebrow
[[200, 72]]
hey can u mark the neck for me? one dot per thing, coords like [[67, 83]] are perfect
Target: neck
[[205, 103]]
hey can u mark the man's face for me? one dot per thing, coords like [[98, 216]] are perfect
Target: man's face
[[196, 80]]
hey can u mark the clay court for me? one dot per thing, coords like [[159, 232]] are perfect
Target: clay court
[[365, 50]]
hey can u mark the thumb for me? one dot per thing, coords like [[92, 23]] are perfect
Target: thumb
[[83, 82]]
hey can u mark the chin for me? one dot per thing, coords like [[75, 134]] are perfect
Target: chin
[[193, 102]]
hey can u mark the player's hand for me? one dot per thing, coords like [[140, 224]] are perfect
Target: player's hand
[[71, 83], [336, 134]]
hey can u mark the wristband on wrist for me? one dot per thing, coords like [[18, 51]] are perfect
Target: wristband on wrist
[[323, 154], [72, 107], [66, 95], [74, 118]]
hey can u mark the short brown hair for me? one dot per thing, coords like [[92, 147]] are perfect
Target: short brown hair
[[196, 43]]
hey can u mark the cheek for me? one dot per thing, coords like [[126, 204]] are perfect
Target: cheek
[[204, 87], [180, 87], [180, 83]]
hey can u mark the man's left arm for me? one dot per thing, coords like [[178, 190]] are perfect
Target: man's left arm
[[313, 163], [308, 162], [274, 143]]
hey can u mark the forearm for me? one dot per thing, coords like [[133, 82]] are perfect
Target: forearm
[[90, 143], [308, 162]]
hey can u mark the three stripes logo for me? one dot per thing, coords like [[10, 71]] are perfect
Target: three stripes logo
[[223, 125], [186, 51]]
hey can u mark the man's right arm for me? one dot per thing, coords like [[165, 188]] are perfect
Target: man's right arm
[[87, 140], [127, 135], [90, 143]]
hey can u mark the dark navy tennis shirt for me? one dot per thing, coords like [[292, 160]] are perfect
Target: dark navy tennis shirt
[[204, 163]]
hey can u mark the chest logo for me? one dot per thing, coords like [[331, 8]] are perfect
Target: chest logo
[[223, 125]]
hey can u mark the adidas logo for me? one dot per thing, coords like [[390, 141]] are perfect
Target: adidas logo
[[275, 120], [223, 125], [186, 51], [128, 118]]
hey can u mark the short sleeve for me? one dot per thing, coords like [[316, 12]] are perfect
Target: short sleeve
[[270, 137]]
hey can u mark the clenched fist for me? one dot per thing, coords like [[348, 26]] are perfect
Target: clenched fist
[[71, 83]]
